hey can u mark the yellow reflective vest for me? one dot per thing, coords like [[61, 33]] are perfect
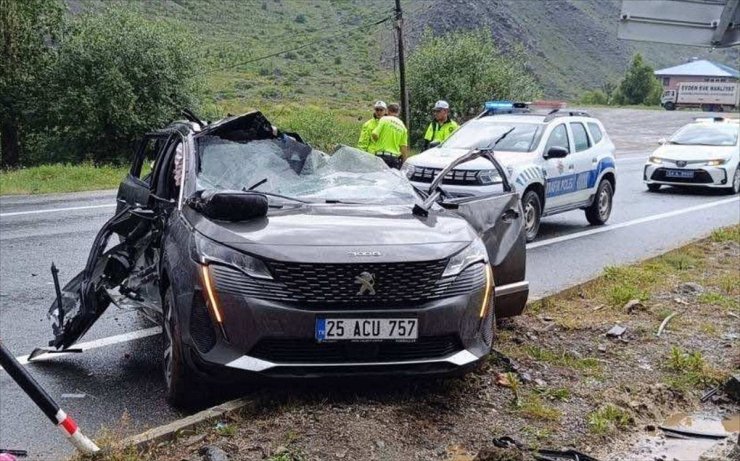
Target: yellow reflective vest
[[366, 142], [437, 132]]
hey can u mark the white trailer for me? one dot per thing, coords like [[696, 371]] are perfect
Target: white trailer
[[708, 96]]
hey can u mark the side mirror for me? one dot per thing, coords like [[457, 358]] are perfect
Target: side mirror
[[662, 141], [434, 144], [556, 152], [230, 205]]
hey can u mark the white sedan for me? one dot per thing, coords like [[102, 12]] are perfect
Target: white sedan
[[703, 153]]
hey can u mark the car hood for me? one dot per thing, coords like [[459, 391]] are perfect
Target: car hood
[[342, 234], [440, 157], [688, 153]]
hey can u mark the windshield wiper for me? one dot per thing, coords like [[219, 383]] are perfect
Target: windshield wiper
[[271, 194], [256, 185]]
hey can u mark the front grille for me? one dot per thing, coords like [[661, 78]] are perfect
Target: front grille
[[700, 177], [334, 286], [201, 327], [454, 177], [309, 351], [393, 283]]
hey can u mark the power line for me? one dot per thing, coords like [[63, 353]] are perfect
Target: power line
[[304, 45]]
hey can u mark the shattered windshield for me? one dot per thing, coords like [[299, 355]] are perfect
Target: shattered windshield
[[483, 133], [292, 169]]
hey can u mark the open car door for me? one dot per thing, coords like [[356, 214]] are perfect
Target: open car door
[[131, 266], [497, 218]]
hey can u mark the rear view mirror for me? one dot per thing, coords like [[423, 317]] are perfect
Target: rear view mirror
[[556, 152], [662, 141], [230, 205]]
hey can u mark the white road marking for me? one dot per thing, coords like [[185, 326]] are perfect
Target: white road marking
[[56, 210], [599, 230], [98, 343]]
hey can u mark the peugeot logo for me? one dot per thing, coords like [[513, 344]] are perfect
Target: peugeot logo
[[366, 280], [681, 163]]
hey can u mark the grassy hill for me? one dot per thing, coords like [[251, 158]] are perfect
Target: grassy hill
[[571, 45]]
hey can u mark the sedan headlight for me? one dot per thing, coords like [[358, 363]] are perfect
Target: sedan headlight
[[207, 251], [717, 161], [408, 169], [655, 160], [473, 253], [486, 177]]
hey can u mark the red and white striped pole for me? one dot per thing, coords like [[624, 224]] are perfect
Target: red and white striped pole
[[50, 408]]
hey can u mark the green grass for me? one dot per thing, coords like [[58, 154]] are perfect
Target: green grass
[[607, 419], [47, 179], [690, 371], [562, 358], [726, 234], [717, 299], [532, 406]]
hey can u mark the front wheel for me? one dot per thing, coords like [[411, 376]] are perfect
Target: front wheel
[[735, 187], [669, 106], [182, 385], [532, 206], [601, 208], [653, 187]]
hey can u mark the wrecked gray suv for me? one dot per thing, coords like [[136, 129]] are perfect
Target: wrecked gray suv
[[261, 255]]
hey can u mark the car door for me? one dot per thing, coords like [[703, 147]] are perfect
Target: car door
[[131, 266], [584, 161], [135, 189], [498, 220], [560, 183]]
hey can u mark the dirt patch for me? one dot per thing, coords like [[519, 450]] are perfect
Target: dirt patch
[[559, 380]]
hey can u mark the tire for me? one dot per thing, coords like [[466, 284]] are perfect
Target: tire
[[653, 187], [532, 206], [182, 386], [599, 211], [669, 106], [735, 186]]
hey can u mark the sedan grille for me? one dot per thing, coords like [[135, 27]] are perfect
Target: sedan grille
[[335, 286], [454, 177], [281, 350]]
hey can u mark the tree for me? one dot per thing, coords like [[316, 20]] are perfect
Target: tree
[[118, 76], [465, 69], [639, 83], [28, 29]]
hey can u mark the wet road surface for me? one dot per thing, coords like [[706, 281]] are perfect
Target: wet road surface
[[119, 374]]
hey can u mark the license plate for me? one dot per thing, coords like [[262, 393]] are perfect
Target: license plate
[[679, 174], [366, 329]]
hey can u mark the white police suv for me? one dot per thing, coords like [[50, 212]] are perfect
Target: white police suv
[[558, 161], [703, 153]]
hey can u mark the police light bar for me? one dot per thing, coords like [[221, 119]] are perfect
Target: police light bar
[[499, 105]]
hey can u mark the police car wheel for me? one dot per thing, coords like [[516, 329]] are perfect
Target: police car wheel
[[532, 213], [601, 208], [653, 187]]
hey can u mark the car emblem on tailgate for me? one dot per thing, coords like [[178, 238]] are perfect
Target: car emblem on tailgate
[[681, 163], [366, 280]]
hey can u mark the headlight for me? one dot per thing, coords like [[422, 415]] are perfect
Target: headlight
[[408, 169], [206, 251], [655, 160], [473, 253], [717, 161], [489, 177]]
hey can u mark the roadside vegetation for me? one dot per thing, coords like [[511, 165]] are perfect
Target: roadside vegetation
[[557, 380], [638, 87], [47, 179]]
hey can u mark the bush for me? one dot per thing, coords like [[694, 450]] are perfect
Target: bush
[[639, 85], [323, 129], [465, 69], [300, 19], [595, 97], [118, 76]]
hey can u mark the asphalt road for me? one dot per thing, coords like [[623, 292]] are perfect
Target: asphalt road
[[119, 374]]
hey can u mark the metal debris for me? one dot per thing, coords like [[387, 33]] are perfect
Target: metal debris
[[664, 323]]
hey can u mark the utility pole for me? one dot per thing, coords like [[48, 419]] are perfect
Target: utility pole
[[402, 67]]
